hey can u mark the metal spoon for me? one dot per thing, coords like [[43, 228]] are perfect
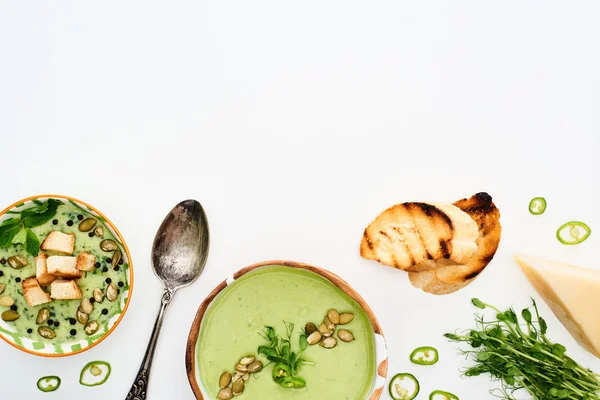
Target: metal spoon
[[179, 254]]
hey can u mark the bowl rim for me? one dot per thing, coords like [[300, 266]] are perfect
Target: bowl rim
[[131, 275], [190, 352]]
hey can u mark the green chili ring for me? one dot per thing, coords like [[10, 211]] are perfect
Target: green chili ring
[[537, 205], [292, 382], [91, 365], [394, 387], [48, 383], [447, 395], [418, 355], [573, 232]]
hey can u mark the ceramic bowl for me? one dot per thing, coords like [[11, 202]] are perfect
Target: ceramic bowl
[[191, 356], [21, 340]]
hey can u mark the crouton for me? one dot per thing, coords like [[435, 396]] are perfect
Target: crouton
[[63, 267], [41, 271], [59, 242], [33, 293], [86, 261], [62, 289]]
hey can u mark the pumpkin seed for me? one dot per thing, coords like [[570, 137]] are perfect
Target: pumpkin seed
[[309, 328], [324, 331], [333, 316], [345, 335], [247, 360], [2, 287], [17, 262], [346, 318], [22, 260], [329, 343], [10, 315], [111, 292], [314, 338], [328, 324], [241, 368], [99, 231], [255, 367], [87, 224], [238, 375], [238, 387], [6, 301], [82, 317], [91, 327], [225, 394], [86, 306], [224, 380], [46, 332], [42, 316], [98, 295], [245, 377], [116, 258], [108, 245]]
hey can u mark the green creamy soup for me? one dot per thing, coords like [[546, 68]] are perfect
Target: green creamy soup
[[268, 296], [63, 312]]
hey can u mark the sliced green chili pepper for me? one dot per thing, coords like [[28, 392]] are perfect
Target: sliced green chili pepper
[[404, 386], [442, 395], [95, 369], [293, 382], [425, 355], [48, 383], [573, 232], [537, 205], [280, 372]]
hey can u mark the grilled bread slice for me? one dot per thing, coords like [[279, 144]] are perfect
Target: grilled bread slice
[[412, 236], [447, 279], [446, 271]]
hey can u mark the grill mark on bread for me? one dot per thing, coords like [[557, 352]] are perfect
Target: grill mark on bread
[[409, 209], [402, 240], [444, 248], [368, 240], [432, 211]]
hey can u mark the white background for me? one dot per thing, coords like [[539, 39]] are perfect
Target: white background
[[295, 124]]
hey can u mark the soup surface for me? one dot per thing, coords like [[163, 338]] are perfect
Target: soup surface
[[268, 296]]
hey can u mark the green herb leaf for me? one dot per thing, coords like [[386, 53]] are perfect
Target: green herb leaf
[[7, 234], [478, 303], [39, 215], [543, 325], [33, 243], [8, 223], [526, 314], [20, 237], [303, 342], [40, 208]]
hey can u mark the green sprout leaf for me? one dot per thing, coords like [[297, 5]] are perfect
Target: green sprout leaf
[[478, 303]]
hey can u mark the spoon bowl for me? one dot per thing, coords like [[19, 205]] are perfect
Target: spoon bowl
[[180, 247]]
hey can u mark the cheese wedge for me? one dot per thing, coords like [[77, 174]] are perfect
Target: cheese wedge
[[573, 295]]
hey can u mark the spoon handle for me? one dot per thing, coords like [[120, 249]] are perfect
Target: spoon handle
[[139, 388]]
